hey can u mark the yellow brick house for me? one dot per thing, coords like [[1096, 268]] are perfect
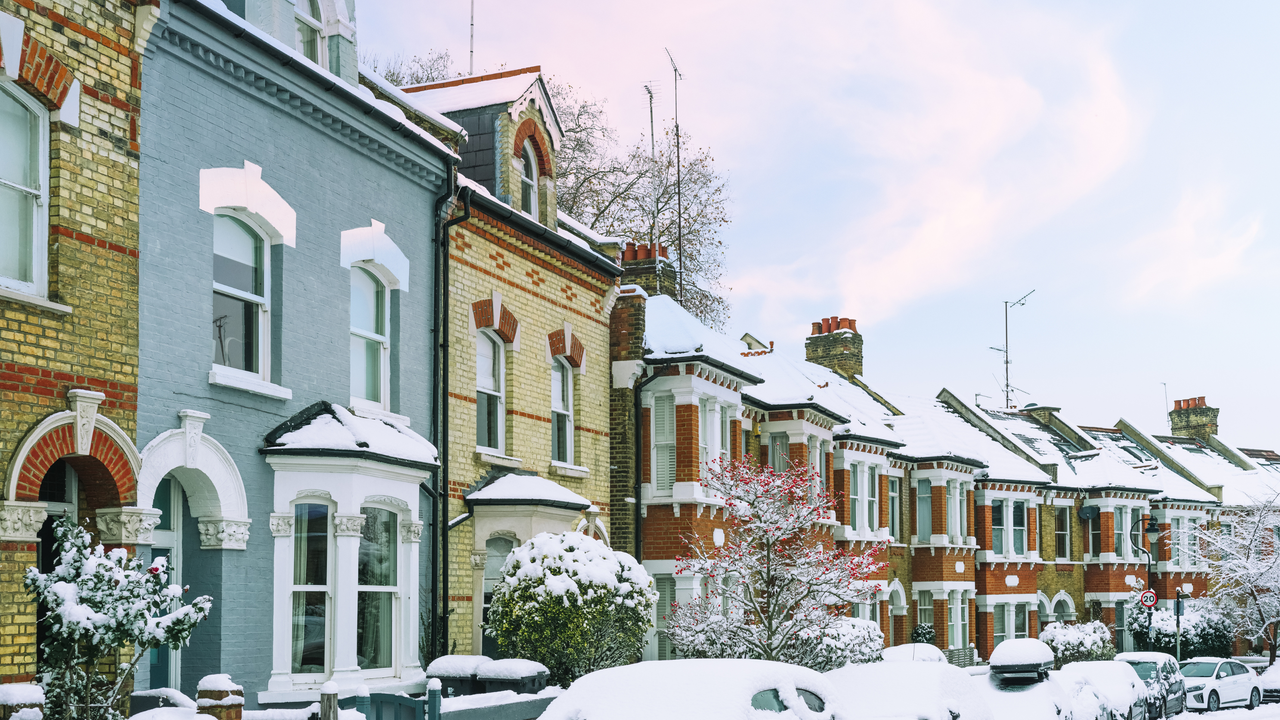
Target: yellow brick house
[[526, 443]]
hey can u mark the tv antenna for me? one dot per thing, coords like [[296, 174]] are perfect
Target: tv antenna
[[1167, 420], [471, 68], [1009, 304], [679, 199], [978, 395], [653, 156]]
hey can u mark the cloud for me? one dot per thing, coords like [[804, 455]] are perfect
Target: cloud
[[1199, 247]]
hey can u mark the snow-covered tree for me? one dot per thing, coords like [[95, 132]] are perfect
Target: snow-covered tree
[[1244, 568], [98, 604], [776, 588], [573, 604], [1073, 643]]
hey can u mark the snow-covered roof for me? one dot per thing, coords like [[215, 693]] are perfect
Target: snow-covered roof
[[327, 429], [454, 95], [516, 489], [364, 94], [932, 429], [671, 333], [579, 228], [404, 99], [789, 382]]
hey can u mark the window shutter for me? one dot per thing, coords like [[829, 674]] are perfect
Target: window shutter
[[666, 595], [664, 433], [664, 418]]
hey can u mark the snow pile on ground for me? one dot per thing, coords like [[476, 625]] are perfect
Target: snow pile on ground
[[913, 652], [21, 694], [467, 702], [174, 713], [1270, 679], [529, 487], [1021, 651], [456, 666], [173, 696], [288, 714], [571, 563], [703, 689], [509, 669], [924, 690]]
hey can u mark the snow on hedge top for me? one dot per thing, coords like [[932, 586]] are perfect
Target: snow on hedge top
[[335, 428], [913, 652], [453, 666], [1021, 651], [221, 682], [703, 689], [929, 691], [509, 669], [21, 694], [564, 564], [530, 489], [671, 332]]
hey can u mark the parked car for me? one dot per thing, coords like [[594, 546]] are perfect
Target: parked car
[[1121, 693], [1270, 682], [701, 689], [914, 652], [1218, 682], [916, 690], [1166, 688], [1019, 686]]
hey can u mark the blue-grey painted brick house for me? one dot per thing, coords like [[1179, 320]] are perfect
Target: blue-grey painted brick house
[[287, 358]]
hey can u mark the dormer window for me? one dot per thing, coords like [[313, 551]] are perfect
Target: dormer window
[[310, 30], [528, 181]]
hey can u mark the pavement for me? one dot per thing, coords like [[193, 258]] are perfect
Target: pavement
[[1265, 712]]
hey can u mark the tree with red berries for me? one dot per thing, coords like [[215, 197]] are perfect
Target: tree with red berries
[[776, 587]]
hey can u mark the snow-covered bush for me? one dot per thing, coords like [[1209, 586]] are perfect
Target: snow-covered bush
[[97, 604], [1073, 643], [1206, 630], [786, 593], [573, 604], [924, 634]]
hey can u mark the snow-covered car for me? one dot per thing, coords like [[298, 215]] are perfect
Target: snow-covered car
[[1216, 682], [913, 652], [1270, 682], [916, 690], [1121, 693], [701, 689], [1166, 688], [1019, 686]]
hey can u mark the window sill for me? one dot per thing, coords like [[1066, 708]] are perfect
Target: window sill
[[567, 470], [232, 378], [488, 455], [42, 303]]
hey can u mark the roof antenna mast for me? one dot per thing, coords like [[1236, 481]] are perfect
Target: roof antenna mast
[[653, 158], [679, 199], [471, 67], [1008, 304]]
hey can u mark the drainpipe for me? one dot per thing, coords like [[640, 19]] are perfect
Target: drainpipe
[[442, 324], [640, 450]]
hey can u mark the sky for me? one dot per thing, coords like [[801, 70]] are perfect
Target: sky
[[915, 164]]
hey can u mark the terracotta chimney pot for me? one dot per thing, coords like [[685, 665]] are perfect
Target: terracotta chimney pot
[[1200, 401], [826, 325], [817, 329]]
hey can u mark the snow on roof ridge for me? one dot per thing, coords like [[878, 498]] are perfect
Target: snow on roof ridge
[[385, 86], [513, 487], [474, 79], [577, 226]]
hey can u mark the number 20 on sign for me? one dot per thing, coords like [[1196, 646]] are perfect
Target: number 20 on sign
[[1148, 598]]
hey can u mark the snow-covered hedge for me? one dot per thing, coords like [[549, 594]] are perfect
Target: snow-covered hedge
[[1206, 631], [573, 604], [1073, 643], [924, 634]]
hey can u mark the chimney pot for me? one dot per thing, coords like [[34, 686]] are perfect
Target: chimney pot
[[817, 329], [1200, 401], [642, 252], [826, 325], [835, 323], [1177, 404]]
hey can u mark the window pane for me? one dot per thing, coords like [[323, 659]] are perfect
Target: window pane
[[308, 632], [997, 527], [310, 544], [235, 333], [1135, 528], [924, 511], [375, 620], [377, 548], [16, 234], [560, 437], [486, 363], [163, 502], [998, 621], [17, 153], [558, 400], [487, 420], [1020, 621], [367, 300], [366, 368], [237, 255], [308, 41]]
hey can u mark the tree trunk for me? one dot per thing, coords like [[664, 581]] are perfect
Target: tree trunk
[[1271, 644]]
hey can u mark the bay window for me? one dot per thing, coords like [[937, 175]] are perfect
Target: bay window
[[997, 527], [725, 436], [24, 190], [561, 411], [1135, 529], [370, 341], [778, 449], [490, 420], [496, 551], [240, 296], [664, 444], [855, 496], [1095, 536], [312, 558], [1175, 542], [704, 439]]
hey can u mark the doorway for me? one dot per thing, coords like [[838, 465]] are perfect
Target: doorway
[[166, 664]]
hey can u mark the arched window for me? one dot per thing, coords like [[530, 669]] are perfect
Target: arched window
[[489, 392], [377, 590], [561, 411], [529, 181], [370, 341], [240, 298], [24, 191], [310, 27], [1062, 610]]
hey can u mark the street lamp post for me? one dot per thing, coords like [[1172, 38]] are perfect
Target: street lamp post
[[1152, 531]]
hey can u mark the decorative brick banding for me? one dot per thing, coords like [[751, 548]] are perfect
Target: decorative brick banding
[[528, 130]]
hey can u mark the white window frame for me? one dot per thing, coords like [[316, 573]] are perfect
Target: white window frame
[[500, 362], [39, 284], [1014, 529], [924, 530], [726, 435], [263, 302], [924, 603], [384, 358], [396, 591], [1175, 542], [1000, 533], [1065, 534], [779, 451], [1024, 611], [331, 552], [1118, 517], [704, 435], [895, 508], [560, 365], [873, 498], [316, 24], [662, 446], [999, 622], [855, 497], [532, 183]]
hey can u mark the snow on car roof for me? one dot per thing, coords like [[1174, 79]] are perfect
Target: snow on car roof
[[1021, 651], [1155, 657], [1039, 701], [926, 690], [913, 652], [1116, 683], [703, 689]]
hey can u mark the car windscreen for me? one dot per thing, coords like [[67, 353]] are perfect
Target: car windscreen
[[1198, 669], [1145, 670]]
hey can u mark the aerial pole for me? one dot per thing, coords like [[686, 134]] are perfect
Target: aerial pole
[[471, 67], [653, 157], [1007, 304], [679, 199]]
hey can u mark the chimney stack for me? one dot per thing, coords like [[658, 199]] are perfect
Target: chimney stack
[[834, 343], [1193, 418]]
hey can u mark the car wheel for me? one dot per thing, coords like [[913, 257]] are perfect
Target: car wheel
[[1255, 698], [1212, 705]]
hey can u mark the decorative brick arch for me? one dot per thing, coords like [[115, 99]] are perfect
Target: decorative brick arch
[[528, 130], [38, 70], [572, 351], [507, 326], [77, 434]]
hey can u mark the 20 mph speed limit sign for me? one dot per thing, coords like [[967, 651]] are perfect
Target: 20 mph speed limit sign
[[1148, 598]]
